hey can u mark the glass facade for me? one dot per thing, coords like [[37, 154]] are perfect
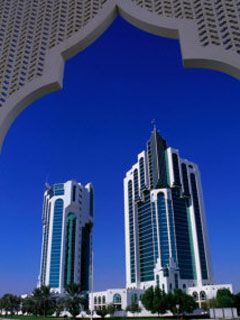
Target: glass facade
[[135, 177], [70, 249], [145, 235], [172, 231], [155, 231], [142, 173], [86, 256], [163, 229], [184, 254], [56, 244]]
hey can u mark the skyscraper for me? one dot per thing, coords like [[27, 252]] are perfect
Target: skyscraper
[[67, 236], [165, 227]]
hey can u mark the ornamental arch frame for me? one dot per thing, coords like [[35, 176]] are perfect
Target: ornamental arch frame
[[37, 37]]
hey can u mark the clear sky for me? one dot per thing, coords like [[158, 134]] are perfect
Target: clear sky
[[93, 130]]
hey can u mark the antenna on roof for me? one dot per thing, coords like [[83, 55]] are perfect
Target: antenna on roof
[[47, 186], [153, 122]]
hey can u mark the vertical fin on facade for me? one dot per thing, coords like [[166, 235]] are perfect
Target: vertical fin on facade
[[156, 148]]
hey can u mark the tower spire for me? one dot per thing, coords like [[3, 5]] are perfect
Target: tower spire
[[153, 122]]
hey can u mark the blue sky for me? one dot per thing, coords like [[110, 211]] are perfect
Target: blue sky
[[92, 131]]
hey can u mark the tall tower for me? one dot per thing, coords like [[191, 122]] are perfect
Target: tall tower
[[67, 236], [165, 228]]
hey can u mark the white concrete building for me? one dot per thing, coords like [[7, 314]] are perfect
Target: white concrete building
[[120, 298], [165, 226], [67, 236], [203, 293]]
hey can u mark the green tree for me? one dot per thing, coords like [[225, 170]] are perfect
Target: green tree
[[110, 309], [147, 299], [160, 304], [185, 302], [74, 300], [28, 305], [102, 312], [225, 298], [1, 306], [212, 303], [44, 304], [155, 300], [134, 308], [11, 303], [237, 302], [60, 305]]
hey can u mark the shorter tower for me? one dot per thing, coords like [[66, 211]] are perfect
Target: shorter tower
[[67, 236]]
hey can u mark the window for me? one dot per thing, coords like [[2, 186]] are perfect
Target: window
[[163, 226], [142, 173], [134, 298], [136, 186], [195, 296], [117, 298], [203, 296], [56, 244], [58, 189], [183, 240], [146, 239], [70, 248]]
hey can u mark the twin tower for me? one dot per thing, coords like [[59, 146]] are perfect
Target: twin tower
[[165, 230]]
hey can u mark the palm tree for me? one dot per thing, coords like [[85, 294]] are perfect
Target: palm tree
[[43, 300], [74, 300], [73, 289], [10, 303]]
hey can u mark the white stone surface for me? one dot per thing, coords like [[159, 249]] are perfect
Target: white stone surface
[[101, 299], [37, 36]]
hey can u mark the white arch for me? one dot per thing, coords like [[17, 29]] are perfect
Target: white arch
[[45, 74]]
